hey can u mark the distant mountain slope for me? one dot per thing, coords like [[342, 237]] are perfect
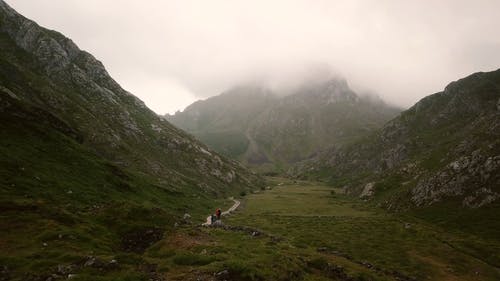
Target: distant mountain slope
[[263, 129], [446, 147], [222, 121], [86, 168]]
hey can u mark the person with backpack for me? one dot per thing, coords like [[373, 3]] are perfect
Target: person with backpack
[[218, 213]]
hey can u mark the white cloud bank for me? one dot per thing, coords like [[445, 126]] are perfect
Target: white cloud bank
[[170, 53]]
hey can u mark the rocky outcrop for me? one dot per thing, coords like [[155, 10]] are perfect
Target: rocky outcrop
[[368, 190], [467, 176]]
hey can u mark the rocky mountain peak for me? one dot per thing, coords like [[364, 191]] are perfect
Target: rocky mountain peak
[[54, 51], [259, 127], [322, 93]]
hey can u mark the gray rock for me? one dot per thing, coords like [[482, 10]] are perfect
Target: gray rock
[[91, 261], [112, 264], [480, 198], [65, 269], [9, 92], [368, 190], [4, 273], [222, 273], [471, 176]]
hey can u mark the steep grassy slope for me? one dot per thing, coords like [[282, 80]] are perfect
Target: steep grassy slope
[[62, 205], [264, 130], [445, 148], [46, 69], [89, 176]]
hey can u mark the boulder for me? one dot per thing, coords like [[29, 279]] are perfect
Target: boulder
[[222, 275], [368, 190]]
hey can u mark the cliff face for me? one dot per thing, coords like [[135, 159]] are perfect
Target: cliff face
[[446, 147], [44, 69]]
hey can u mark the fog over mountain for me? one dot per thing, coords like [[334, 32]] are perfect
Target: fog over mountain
[[171, 53]]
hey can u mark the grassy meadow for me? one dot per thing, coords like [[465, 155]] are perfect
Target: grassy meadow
[[308, 231], [290, 231]]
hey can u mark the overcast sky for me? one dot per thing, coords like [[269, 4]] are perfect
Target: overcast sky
[[171, 53]]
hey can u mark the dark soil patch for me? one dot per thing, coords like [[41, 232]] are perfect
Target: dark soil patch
[[139, 240]]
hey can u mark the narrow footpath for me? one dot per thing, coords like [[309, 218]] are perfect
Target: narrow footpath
[[230, 210]]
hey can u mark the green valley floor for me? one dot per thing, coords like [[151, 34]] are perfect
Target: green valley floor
[[289, 231], [306, 231]]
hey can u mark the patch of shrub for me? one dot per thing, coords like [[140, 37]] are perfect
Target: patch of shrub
[[192, 259], [240, 270], [318, 263]]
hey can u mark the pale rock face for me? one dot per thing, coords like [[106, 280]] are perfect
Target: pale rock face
[[368, 190], [481, 197], [9, 92], [460, 164], [216, 173], [230, 176], [156, 128], [459, 178], [204, 151], [393, 157]]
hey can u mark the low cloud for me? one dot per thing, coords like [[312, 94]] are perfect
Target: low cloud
[[170, 53]]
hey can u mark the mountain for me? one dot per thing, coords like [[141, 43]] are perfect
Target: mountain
[[263, 129], [445, 150], [222, 121], [86, 168], [43, 69]]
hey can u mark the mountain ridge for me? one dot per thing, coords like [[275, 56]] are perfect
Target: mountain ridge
[[445, 146], [279, 130]]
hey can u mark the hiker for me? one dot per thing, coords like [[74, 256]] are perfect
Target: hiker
[[218, 213]]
